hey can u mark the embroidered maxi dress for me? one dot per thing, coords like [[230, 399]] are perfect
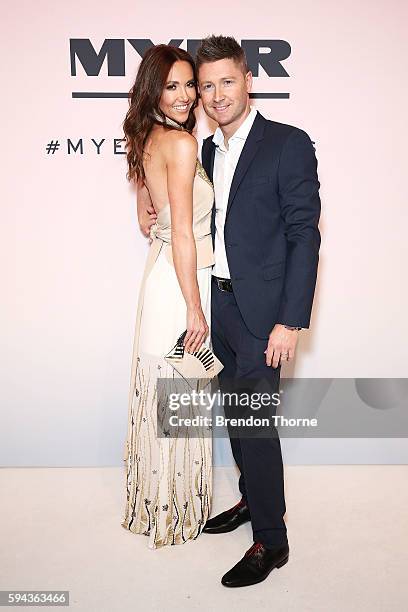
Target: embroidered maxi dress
[[168, 480]]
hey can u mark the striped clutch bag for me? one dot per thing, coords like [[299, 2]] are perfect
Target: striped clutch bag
[[198, 368]]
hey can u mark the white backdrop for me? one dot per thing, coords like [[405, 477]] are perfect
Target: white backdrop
[[72, 253]]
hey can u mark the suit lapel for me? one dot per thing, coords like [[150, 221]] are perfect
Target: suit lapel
[[248, 153], [208, 156], [208, 159]]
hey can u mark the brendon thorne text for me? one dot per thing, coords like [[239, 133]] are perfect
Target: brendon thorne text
[[220, 421]]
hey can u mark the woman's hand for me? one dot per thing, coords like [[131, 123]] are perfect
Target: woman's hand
[[197, 329]]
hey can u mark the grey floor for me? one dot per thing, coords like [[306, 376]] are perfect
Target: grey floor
[[347, 526]]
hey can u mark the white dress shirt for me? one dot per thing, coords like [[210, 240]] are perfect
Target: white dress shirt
[[225, 163]]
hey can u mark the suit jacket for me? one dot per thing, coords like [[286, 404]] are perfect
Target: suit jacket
[[271, 230]]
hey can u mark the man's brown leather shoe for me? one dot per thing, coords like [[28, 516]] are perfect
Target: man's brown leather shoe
[[256, 565], [228, 520]]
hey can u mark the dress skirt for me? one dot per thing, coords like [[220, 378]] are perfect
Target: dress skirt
[[168, 479]]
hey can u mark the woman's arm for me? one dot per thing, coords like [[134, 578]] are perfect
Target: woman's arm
[[181, 156]]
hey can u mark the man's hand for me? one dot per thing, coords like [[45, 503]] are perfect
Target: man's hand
[[281, 345], [145, 210], [147, 217]]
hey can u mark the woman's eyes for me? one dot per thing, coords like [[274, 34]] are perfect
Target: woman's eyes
[[173, 87]]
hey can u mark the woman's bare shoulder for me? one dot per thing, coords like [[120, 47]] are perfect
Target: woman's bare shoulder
[[180, 143]]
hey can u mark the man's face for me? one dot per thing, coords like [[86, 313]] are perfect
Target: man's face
[[224, 90]]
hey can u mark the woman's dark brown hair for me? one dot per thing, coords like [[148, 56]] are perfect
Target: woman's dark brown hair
[[144, 99]]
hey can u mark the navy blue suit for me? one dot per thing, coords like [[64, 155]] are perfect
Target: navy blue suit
[[272, 243], [271, 229]]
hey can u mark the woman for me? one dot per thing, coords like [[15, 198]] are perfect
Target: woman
[[168, 480]]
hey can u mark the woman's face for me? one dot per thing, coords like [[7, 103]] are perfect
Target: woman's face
[[179, 92]]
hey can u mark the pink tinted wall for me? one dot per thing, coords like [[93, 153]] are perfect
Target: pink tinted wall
[[72, 253]]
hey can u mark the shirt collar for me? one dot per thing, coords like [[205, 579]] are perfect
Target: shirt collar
[[241, 133]]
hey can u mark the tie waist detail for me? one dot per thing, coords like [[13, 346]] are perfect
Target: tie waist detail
[[161, 239]]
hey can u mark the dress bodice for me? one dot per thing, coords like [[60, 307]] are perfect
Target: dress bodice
[[203, 198]]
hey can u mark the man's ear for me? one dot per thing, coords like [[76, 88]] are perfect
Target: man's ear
[[248, 80]]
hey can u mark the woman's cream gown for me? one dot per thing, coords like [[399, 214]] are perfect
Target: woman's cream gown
[[168, 480]]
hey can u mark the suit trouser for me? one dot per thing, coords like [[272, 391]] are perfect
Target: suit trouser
[[259, 459]]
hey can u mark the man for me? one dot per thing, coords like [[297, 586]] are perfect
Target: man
[[266, 242]]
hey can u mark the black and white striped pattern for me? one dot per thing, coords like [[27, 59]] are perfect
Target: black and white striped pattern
[[204, 354]]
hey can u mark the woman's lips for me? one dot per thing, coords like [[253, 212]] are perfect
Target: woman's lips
[[181, 108]]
